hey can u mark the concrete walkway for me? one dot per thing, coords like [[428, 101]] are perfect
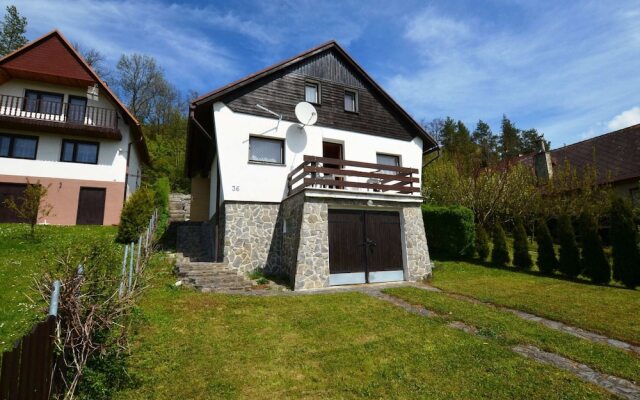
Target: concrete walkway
[[613, 384]]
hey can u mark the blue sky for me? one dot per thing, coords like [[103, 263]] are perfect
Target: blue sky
[[569, 69]]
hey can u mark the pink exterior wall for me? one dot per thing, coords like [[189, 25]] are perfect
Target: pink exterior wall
[[64, 193]]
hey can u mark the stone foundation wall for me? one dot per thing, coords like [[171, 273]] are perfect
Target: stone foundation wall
[[293, 238], [311, 269], [252, 236], [418, 262]]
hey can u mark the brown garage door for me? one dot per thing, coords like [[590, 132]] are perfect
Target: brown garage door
[[91, 206], [364, 246], [14, 191]]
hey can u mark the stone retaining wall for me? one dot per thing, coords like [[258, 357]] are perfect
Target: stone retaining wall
[[293, 238], [252, 236]]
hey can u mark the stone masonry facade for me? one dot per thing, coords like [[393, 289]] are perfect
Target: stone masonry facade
[[292, 238]]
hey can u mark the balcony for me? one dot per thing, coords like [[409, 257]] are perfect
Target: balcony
[[332, 173], [57, 117]]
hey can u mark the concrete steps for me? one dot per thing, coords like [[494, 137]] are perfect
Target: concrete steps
[[210, 276]]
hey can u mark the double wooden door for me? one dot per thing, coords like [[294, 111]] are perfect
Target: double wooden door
[[364, 246]]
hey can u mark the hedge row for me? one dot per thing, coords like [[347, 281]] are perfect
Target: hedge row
[[450, 231]]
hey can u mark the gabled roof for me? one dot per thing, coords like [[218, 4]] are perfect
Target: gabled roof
[[616, 155], [225, 90], [34, 62]]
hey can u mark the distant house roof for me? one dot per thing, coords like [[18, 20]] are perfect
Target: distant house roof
[[34, 62], [616, 155]]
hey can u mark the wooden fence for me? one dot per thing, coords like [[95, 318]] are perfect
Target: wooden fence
[[27, 370]]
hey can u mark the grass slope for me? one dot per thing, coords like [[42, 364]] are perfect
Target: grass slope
[[23, 258], [610, 310], [507, 329], [192, 346]]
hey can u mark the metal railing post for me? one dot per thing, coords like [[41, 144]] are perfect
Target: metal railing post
[[55, 296], [124, 271]]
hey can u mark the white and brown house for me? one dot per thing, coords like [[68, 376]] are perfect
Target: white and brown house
[[336, 202], [61, 125]]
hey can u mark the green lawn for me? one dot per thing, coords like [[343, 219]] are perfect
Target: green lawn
[[192, 345], [506, 329], [610, 310], [23, 258]]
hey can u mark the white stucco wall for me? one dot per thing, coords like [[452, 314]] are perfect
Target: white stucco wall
[[243, 181], [112, 156]]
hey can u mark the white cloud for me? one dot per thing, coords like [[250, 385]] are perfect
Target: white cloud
[[542, 72], [179, 36], [625, 119]]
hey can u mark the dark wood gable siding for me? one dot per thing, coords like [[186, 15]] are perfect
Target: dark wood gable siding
[[281, 91]]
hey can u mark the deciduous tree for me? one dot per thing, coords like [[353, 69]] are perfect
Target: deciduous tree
[[32, 205]]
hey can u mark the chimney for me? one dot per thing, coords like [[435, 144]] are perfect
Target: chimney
[[542, 161]]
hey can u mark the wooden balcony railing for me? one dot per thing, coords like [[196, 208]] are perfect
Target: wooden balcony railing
[[332, 173], [79, 114]]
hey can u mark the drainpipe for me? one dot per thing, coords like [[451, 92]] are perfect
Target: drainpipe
[[126, 173], [429, 151]]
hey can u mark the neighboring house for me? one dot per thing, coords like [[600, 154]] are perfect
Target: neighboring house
[[61, 125], [333, 203], [615, 155]]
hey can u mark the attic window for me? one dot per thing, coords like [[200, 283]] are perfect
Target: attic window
[[350, 101], [312, 92]]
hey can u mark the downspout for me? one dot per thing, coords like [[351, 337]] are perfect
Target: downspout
[[126, 173], [429, 151]]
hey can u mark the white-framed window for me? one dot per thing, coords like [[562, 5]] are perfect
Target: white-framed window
[[266, 150], [351, 101], [388, 159], [312, 92]]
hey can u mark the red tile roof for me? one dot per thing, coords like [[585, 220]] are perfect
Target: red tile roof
[[616, 155]]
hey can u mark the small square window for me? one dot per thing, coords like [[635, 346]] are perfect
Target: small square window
[[266, 150], [350, 101], [312, 93]]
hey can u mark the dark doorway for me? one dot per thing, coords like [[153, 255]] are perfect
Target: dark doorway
[[364, 246], [332, 150], [10, 191], [91, 206]]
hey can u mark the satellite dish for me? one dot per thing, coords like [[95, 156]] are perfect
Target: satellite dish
[[306, 113]]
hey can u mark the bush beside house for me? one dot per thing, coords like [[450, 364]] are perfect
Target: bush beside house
[[569, 252], [450, 231], [482, 243], [594, 262], [500, 252], [521, 256], [547, 261], [624, 243], [135, 215]]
